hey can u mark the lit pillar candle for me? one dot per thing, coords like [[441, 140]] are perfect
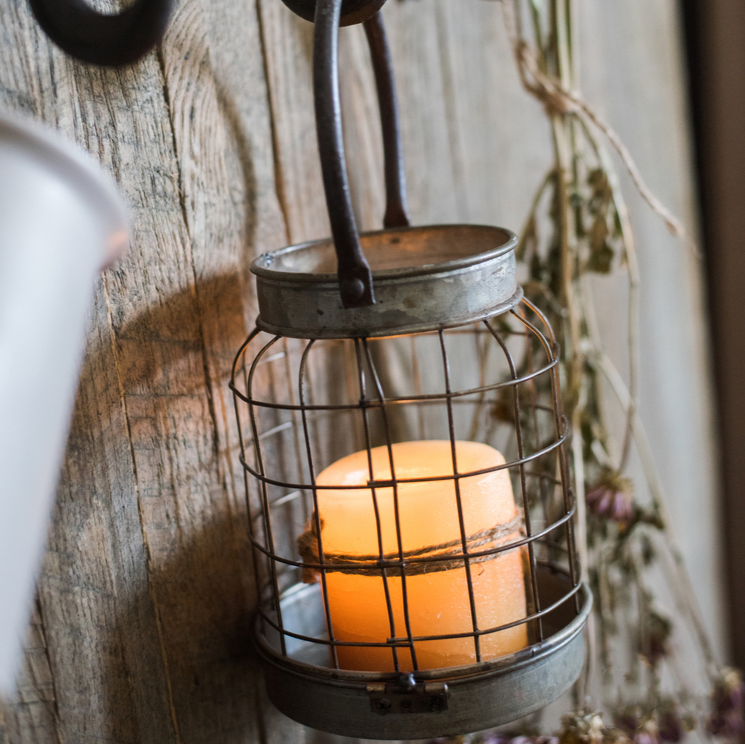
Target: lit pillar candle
[[438, 598]]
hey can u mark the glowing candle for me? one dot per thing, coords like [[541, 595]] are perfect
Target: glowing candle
[[438, 597]]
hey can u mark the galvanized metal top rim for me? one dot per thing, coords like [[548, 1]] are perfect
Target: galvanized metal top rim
[[453, 675], [263, 266], [425, 278]]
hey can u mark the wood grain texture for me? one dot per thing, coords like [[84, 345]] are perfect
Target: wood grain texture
[[140, 630]]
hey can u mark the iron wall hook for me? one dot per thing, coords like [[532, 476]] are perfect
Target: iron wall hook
[[352, 11], [109, 40]]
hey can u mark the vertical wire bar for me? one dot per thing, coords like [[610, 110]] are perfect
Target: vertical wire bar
[[378, 526], [458, 500], [567, 492], [261, 517], [314, 419], [316, 512], [417, 384], [396, 510], [482, 355], [534, 411], [295, 427], [351, 361], [256, 554], [266, 512], [523, 479]]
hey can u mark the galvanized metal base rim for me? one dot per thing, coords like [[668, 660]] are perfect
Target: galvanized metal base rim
[[492, 694], [453, 675]]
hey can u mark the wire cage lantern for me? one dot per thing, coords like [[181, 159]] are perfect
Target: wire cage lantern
[[409, 498]]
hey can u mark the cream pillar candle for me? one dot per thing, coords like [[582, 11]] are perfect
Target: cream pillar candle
[[438, 600]]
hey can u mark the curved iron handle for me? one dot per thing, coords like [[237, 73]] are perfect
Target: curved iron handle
[[396, 210], [353, 270], [110, 40]]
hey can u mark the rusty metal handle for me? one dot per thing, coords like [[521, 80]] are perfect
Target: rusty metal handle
[[396, 211], [109, 40], [352, 11], [353, 270]]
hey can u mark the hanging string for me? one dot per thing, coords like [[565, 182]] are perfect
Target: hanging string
[[556, 99]]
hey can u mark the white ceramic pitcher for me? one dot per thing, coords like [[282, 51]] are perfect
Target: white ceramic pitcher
[[61, 220]]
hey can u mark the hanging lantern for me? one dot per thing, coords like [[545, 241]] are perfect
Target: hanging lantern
[[408, 491]]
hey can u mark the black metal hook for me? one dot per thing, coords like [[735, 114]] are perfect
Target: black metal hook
[[110, 40], [352, 11], [353, 270]]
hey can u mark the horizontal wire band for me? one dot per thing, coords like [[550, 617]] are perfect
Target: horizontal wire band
[[376, 403], [427, 479]]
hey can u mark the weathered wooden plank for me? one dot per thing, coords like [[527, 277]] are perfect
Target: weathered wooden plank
[[147, 588], [96, 548], [288, 48]]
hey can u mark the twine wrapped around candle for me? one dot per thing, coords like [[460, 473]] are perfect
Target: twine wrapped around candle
[[365, 564]]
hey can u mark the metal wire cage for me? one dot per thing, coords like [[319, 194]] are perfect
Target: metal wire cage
[[403, 446], [302, 404]]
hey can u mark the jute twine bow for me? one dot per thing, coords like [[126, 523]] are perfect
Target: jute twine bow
[[557, 99], [372, 565]]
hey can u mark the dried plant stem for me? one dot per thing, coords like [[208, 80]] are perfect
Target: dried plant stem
[[558, 98], [680, 580]]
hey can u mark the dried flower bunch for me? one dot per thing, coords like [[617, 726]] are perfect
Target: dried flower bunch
[[666, 723], [578, 226]]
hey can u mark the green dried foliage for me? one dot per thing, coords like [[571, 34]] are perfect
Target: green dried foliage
[[577, 227]]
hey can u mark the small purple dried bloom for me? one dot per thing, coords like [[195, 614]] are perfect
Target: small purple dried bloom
[[521, 740], [658, 630], [728, 699], [647, 733], [496, 739], [729, 692], [729, 726], [627, 720], [611, 498], [670, 726]]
